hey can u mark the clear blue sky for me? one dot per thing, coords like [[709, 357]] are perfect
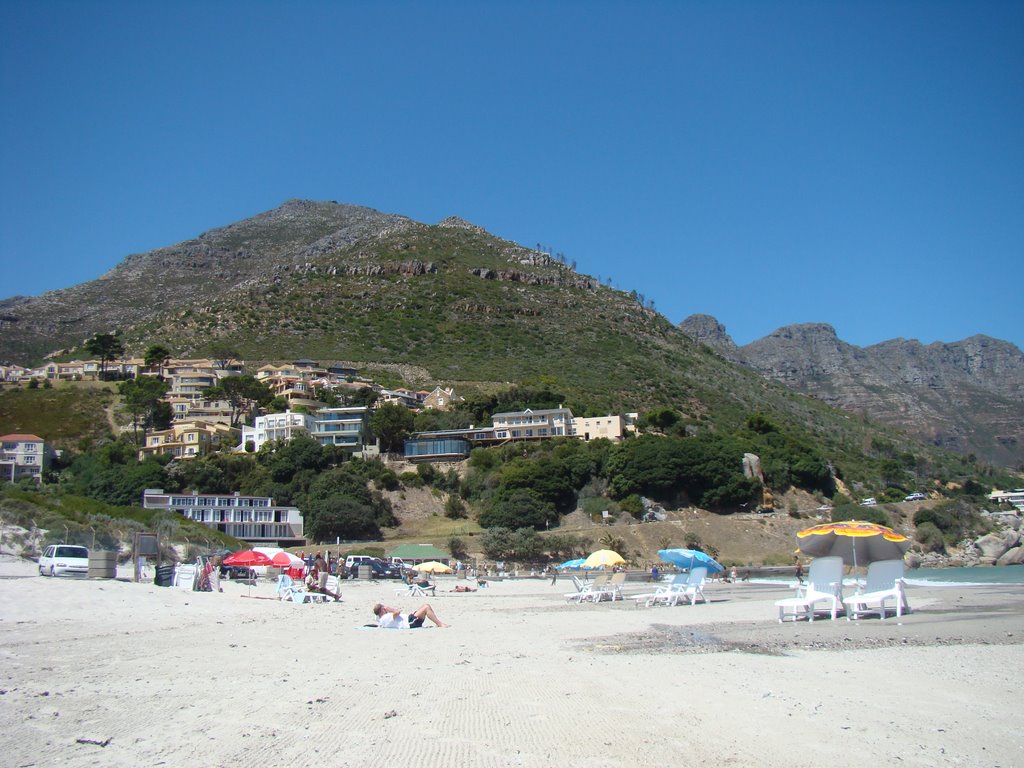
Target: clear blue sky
[[860, 164]]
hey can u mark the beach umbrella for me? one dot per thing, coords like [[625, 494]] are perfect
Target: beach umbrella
[[574, 564], [856, 541], [689, 559], [286, 560], [248, 559], [603, 558], [433, 567]]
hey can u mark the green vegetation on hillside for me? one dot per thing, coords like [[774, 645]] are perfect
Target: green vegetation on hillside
[[68, 415]]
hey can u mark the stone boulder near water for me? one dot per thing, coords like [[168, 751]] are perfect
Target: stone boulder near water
[[1013, 556], [994, 545]]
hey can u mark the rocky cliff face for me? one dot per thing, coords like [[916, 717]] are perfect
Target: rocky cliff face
[[966, 395]]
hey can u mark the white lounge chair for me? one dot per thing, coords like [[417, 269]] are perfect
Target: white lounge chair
[[289, 590], [824, 585], [686, 590], [884, 583], [648, 598], [588, 590], [416, 590], [611, 590]]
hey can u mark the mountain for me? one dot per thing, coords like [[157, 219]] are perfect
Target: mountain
[[142, 286], [425, 304], [967, 396]]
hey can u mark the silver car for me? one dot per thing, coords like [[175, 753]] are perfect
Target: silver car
[[64, 560]]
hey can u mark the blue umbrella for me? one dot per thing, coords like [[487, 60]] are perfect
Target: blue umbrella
[[690, 559], [574, 564]]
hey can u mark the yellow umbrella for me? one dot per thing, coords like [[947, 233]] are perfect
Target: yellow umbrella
[[603, 558], [433, 567]]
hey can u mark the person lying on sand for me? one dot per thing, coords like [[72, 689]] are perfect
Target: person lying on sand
[[463, 588], [393, 618]]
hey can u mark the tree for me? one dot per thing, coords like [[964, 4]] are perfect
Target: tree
[[497, 542], [458, 548], [340, 517], [392, 423], [364, 396], [518, 509], [143, 398], [156, 356], [243, 393], [107, 347]]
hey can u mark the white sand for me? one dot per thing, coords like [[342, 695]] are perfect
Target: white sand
[[168, 677]]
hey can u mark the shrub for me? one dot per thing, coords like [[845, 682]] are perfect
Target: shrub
[[454, 508], [855, 512], [930, 538]]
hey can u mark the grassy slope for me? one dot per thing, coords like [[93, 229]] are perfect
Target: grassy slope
[[70, 415]]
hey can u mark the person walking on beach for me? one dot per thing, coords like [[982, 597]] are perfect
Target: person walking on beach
[[654, 573], [393, 618], [554, 574], [799, 571]]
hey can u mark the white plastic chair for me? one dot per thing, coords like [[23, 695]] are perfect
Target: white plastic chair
[[824, 585], [884, 583]]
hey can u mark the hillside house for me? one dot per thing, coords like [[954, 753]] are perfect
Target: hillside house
[[188, 439], [276, 426], [533, 425], [441, 399], [23, 456]]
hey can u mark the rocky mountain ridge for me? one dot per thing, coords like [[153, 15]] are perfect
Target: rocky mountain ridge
[[966, 395]]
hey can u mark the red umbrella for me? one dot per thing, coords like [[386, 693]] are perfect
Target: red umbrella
[[248, 559], [285, 560]]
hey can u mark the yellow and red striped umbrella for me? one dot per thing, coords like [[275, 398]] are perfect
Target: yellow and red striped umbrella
[[858, 542]]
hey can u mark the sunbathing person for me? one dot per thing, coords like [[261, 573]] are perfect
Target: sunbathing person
[[463, 588], [393, 618]]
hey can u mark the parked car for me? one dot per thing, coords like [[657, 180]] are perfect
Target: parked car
[[915, 497], [354, 560], [64, 560], [868, 502]]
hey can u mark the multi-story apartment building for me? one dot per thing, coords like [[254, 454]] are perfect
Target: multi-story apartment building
[[276, 426], [23, 456], [533, 425], [255, 519], [190, 378], [188, 439], [189, 409], [347, 428]]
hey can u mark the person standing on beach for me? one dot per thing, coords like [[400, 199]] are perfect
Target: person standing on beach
[[654, 573], [799, 571], [320, 569], [554, 574]]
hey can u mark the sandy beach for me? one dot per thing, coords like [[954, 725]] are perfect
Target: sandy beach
[[113, 673]]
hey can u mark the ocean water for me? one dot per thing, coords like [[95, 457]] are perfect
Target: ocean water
[[934, 577], [966, 577]]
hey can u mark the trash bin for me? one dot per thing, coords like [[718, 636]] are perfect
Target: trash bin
[[164, 576], [365, 572], [102, 565]]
